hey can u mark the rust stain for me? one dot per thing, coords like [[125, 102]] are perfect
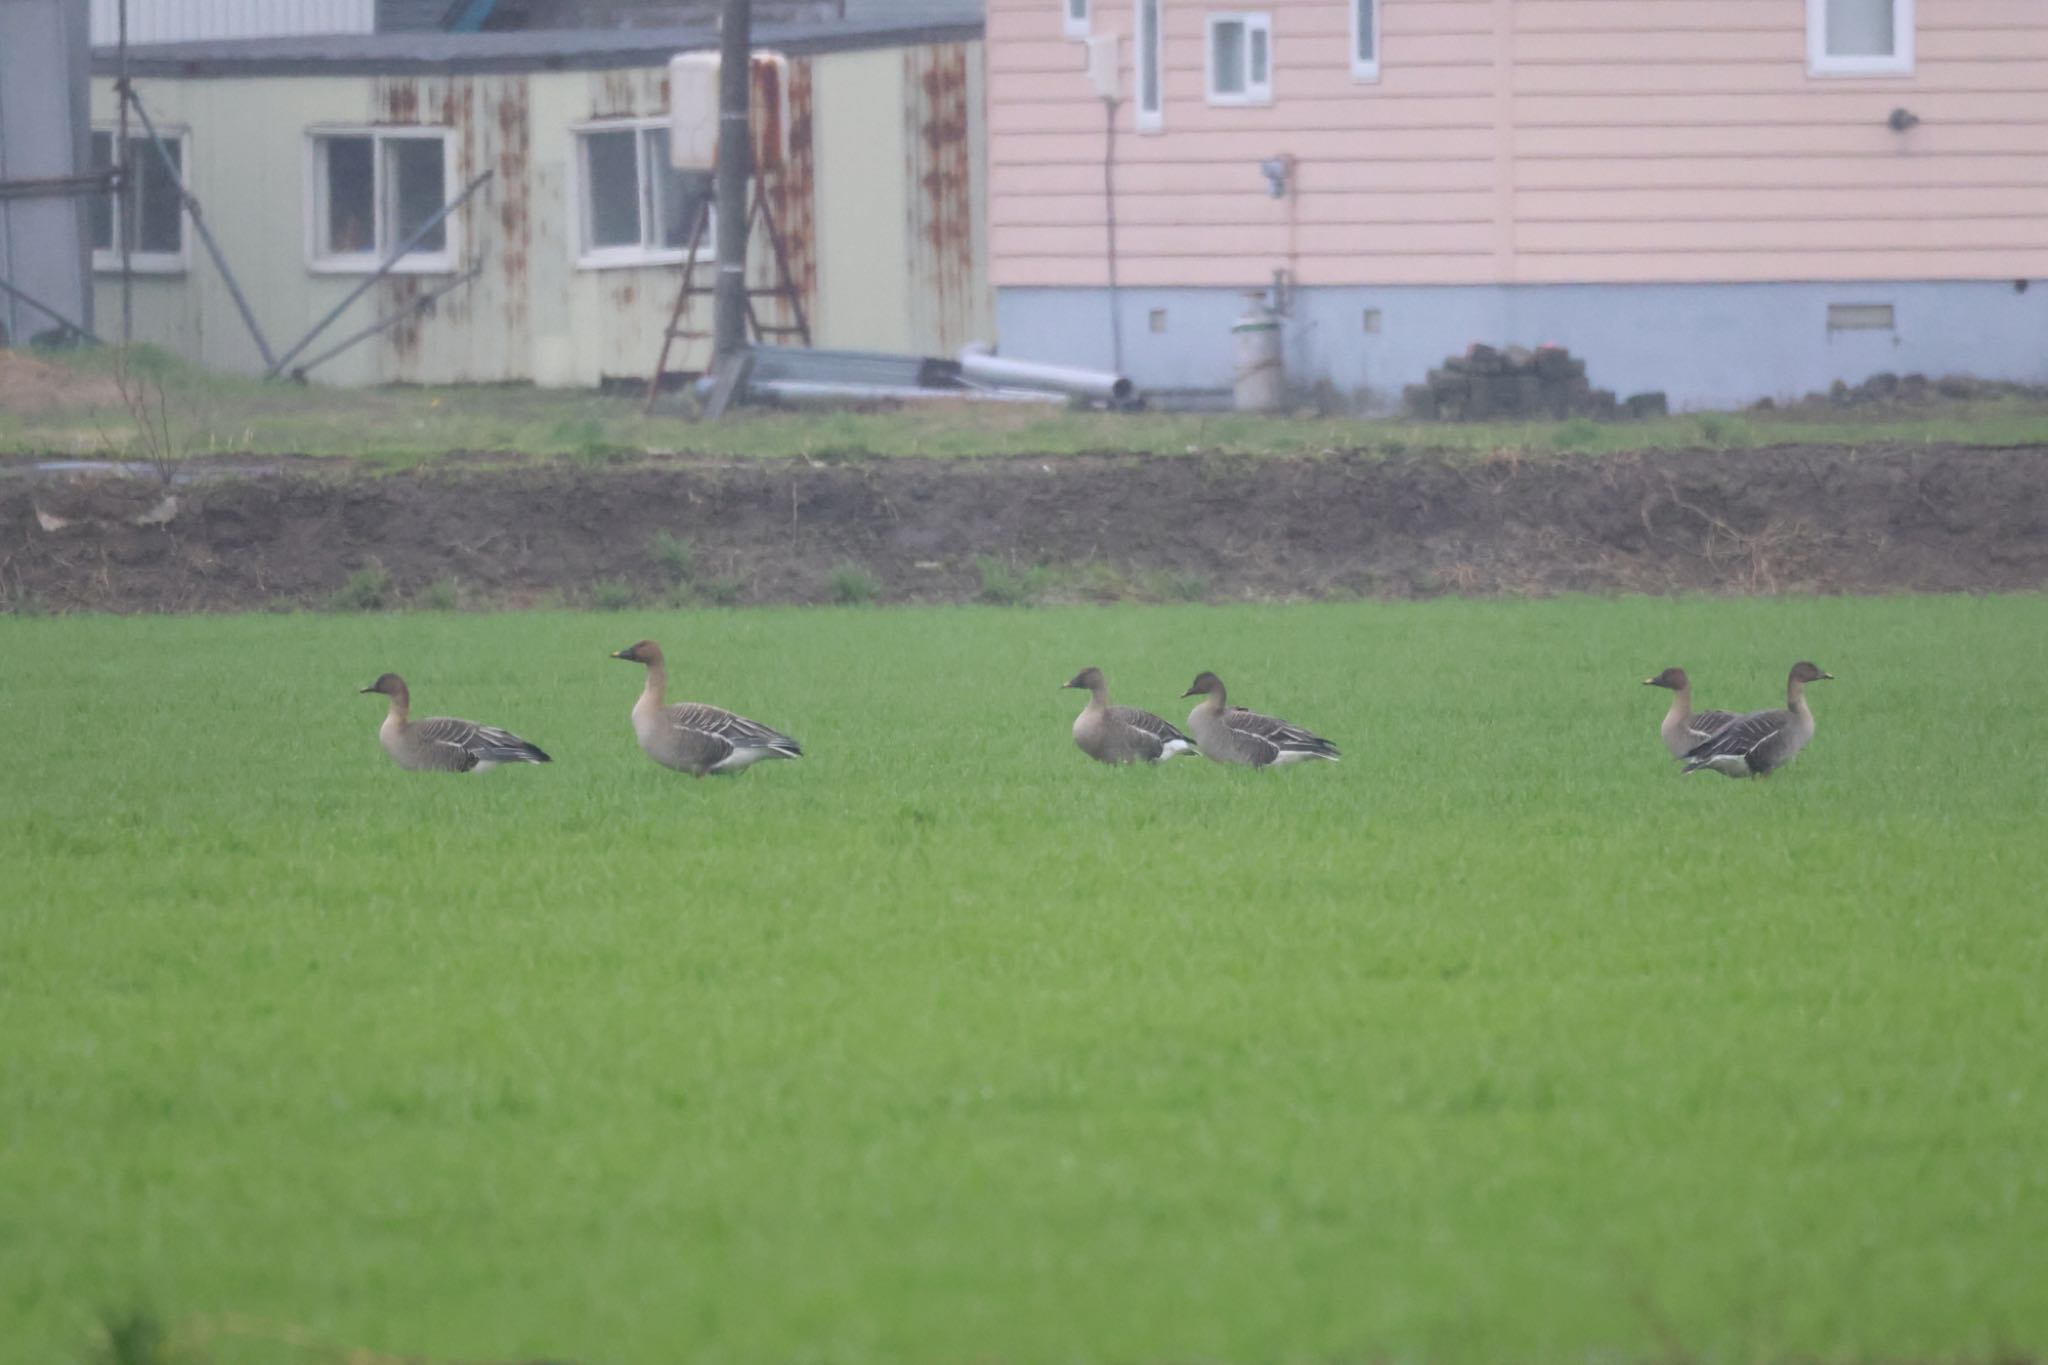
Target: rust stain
[[397, 100], [400, 293], [513, 188], [790, 188], [612, 95], [765, 90], [942, 168]]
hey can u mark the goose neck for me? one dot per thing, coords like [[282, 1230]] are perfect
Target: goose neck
[[656, 689]]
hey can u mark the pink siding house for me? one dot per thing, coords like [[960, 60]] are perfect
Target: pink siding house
[[1723, 199]]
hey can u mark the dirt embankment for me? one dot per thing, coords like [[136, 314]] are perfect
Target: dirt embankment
[[1780, 520]]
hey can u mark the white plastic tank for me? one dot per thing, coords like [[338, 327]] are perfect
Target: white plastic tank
[[1259, 376]]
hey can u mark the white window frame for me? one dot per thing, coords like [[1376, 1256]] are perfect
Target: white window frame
[[1072, 24], [590, 257], [149, 262], [1361, 68], [1820, 63], [442, 262], [1252, 21], [1148, 117]]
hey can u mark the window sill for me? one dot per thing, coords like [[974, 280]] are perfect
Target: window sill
[[1366, 75], [1240, 101], [441, 263], [634, 260], [139, 263], [1836, 68]]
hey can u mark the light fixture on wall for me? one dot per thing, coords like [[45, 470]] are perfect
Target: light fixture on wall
[[1902, 119], [1278, 170]]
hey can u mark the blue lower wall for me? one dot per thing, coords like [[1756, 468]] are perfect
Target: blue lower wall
[[1705, 345]]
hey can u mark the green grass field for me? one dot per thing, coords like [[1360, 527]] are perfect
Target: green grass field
[[1496, 1041]]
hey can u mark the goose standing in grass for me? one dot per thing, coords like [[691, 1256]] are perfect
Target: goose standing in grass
[[1683, 727], [1762, 741], [1122, 734], [1231, 734], [692, 737], [443, 744]]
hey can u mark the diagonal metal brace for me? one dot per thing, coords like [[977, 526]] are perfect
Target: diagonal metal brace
[[418, 305], [191, 203], [44, 308], [419, 234]]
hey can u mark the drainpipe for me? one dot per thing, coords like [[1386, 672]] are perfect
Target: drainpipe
[[1116, 323], [119, 216], [735, 152]]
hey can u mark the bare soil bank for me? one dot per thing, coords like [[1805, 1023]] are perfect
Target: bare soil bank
[[1783, 520]]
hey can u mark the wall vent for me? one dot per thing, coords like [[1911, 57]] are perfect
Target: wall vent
[[1860, 317]]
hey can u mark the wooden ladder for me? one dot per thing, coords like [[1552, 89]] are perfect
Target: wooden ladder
[[759, 214]]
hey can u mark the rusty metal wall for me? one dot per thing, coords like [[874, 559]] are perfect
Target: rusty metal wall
[[892, 258], [945, 231]]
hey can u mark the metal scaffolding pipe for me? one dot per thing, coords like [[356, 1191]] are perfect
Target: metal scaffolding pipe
[[977, 364], [48, 311]]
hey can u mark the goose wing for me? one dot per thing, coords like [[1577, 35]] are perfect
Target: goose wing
[[734, 731], [1706, 724], [1165, 731], [1278, 735], [1739, 738], [477, 743]]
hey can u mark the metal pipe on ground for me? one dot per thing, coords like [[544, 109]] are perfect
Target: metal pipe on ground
[[978, 364], [818, 391]]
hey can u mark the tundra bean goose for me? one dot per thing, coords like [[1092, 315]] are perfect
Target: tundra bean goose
[[1684, 727], [443, 744], [1755, 744], [1122, 734], [1231, 734], [692, 737]]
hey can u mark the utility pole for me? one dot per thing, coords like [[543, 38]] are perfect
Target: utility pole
[[735, 166]]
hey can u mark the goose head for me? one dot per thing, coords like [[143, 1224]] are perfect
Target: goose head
[[390, 684], [1088, 678], [1805, 672], [1673, 678], [645, 652], [1205, 684]]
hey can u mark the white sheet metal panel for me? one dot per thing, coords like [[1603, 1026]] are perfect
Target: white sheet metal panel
[[179, 21], [42, 134]]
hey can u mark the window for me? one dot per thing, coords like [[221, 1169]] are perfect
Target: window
[[371, 192], [1859, 37], [637, 209], [149, 213], [1240, 59], [1145, 57], [1365, 40], [1074, 18]]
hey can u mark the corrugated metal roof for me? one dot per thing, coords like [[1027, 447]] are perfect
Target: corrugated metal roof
[[174, 21], [525, 50], [417, 16]]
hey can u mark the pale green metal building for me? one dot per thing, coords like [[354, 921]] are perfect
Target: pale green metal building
[[314, 158]]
